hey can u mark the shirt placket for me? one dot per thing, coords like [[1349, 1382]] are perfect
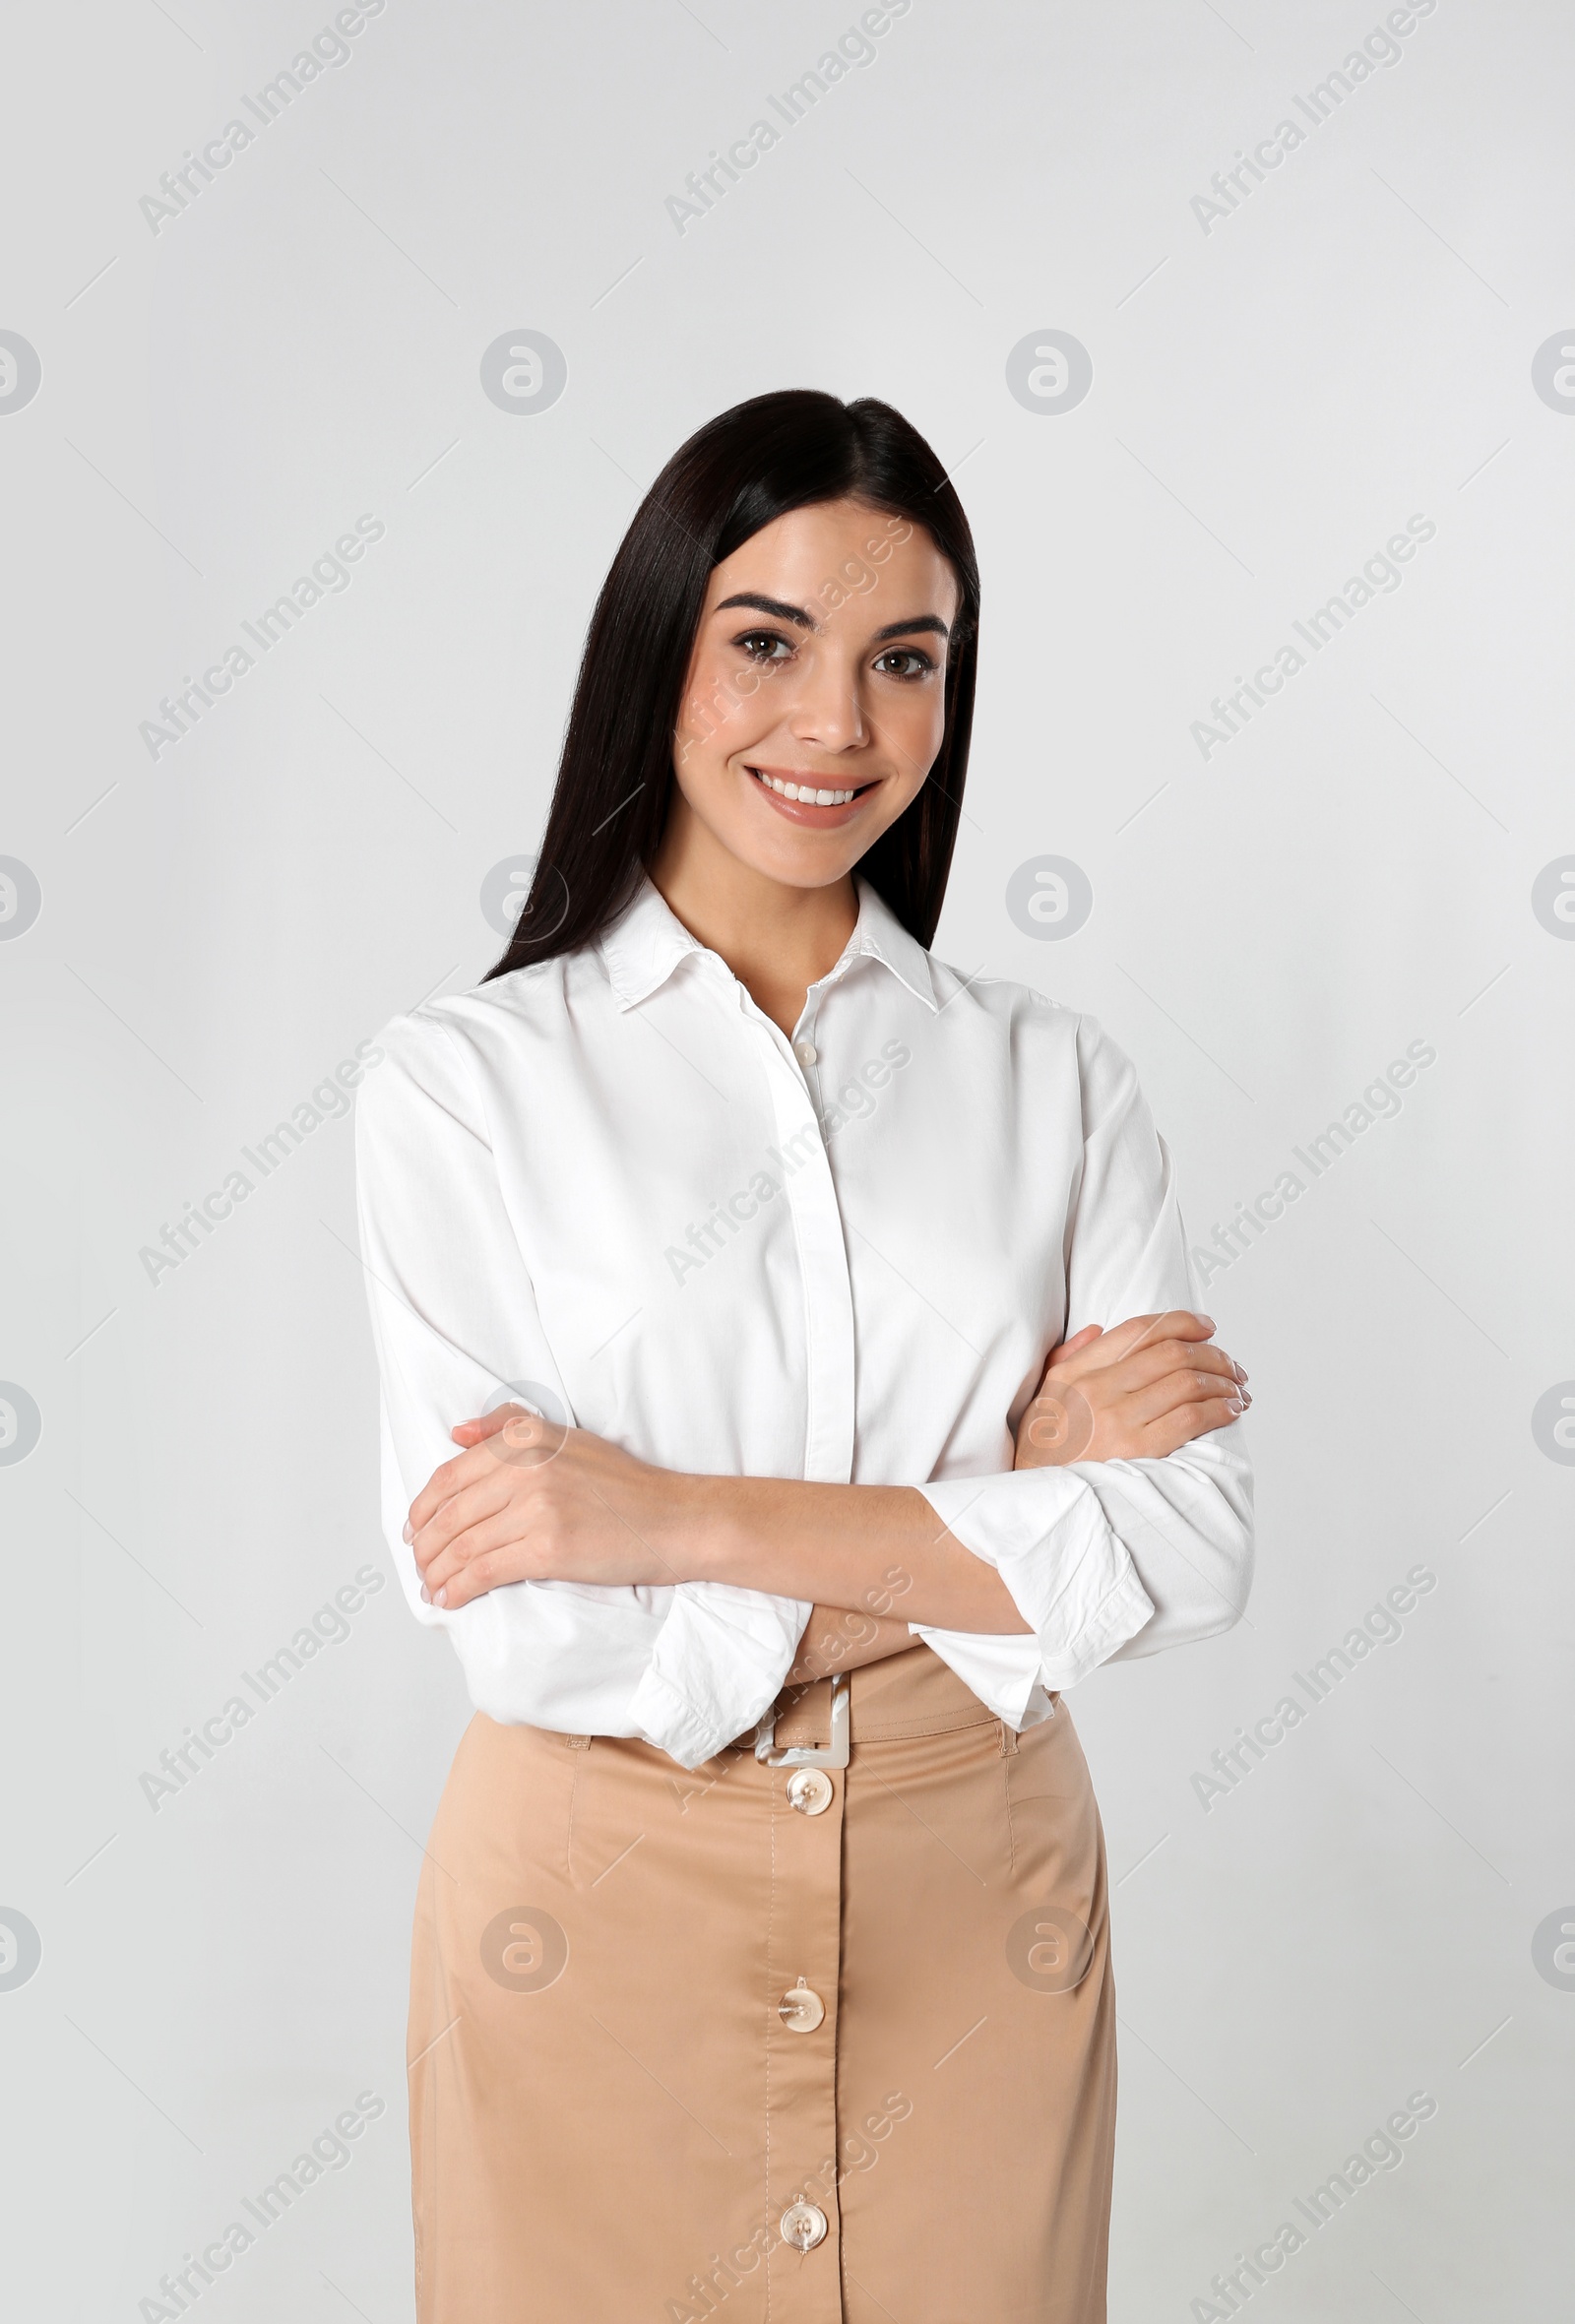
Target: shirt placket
[[828, 1291], [803, 1936]]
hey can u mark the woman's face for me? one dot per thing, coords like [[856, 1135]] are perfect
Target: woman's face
[[815, 699]]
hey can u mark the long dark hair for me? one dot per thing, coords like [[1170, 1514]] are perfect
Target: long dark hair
[[739, 472]]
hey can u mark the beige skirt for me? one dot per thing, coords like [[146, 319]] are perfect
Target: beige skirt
[[788, 2043]]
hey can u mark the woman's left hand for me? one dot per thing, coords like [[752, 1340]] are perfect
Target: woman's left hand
[[1139, 1391], [529, 1500]]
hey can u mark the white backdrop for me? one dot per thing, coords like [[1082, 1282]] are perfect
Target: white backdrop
[[204, 385]]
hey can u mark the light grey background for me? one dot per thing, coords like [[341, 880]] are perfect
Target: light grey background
[[1272, 400]]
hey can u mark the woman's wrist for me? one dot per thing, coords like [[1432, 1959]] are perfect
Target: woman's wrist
[[836, 1638], [736, 1530], [695, 1532], [794, 1537], [871, 1550]]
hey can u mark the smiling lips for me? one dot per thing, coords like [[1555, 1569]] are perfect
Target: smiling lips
[[817, 804]]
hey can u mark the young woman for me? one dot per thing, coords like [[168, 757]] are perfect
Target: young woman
[[814, 1323]]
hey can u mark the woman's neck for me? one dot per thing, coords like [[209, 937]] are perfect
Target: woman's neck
[[777, 940]]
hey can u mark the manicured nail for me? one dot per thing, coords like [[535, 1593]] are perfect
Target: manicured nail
[[442, 1597], [410, 1532], [1209, 1319], [1234, 1405], [1245, 1398], [426, 1594]]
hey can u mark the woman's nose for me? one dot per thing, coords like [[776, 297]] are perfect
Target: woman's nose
[[827, 709]]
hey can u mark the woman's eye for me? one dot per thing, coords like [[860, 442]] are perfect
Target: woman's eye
[[761, 645], [919, 662]]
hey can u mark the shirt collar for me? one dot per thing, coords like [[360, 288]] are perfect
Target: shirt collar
[[645, 943], [879, 935]]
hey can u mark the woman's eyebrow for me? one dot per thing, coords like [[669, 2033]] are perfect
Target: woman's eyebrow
[[931, 622], [773, 606], [928, 622]]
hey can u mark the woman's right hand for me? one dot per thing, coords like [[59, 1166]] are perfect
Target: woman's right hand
[[1134, 1393]]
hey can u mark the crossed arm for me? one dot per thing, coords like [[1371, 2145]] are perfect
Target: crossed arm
[[529, 1500]]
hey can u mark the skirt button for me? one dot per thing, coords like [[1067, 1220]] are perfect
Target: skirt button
[[801, 2010], [809, 1791], [804, 2226]]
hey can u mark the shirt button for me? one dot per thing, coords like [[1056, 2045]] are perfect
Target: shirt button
[[805, 1052], [809, 1791], [801, 2010], [804, 2226]]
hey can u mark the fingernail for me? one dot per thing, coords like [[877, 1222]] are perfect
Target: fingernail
[[1234, 1405], [426, 1594], [442, 1597], [1245, 1398], [1209, 1319], [409, 1533]]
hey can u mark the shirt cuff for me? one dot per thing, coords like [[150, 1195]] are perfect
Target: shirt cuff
[[1000, 1666], [718, 1663], [1068, 1571]]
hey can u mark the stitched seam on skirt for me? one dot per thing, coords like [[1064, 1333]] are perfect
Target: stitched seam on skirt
[[568, 1836]]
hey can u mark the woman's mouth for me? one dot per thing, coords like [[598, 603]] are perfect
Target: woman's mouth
[[803, 799]]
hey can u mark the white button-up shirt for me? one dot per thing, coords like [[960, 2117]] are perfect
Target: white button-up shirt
[[611, 1184]]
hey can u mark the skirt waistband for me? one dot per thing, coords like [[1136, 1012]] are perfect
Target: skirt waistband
[[914, 1693]]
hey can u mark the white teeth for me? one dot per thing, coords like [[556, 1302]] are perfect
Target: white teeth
[[810, 796]]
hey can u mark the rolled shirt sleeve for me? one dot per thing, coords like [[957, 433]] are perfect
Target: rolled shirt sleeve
[[456, 1326], [1107, 1559]]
